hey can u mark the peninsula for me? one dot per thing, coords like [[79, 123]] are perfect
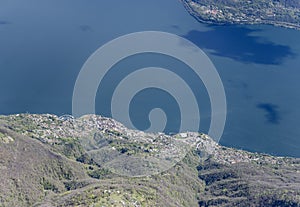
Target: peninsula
[[284, 13]]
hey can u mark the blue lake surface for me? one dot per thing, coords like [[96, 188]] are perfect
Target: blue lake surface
[[43, 45]]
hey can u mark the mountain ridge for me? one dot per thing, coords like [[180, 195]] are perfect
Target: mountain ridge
[[48, 161]]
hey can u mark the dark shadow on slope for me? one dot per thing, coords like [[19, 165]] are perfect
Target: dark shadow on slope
[[237, 43]]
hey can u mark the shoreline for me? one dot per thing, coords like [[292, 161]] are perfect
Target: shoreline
[[200, 19]]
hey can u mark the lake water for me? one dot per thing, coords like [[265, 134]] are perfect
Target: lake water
[[44, 44]]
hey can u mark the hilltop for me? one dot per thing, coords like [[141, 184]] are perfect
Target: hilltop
[[284, 13], [96, 161]]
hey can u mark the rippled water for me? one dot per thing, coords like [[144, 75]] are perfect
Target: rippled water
[[43, 45]]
